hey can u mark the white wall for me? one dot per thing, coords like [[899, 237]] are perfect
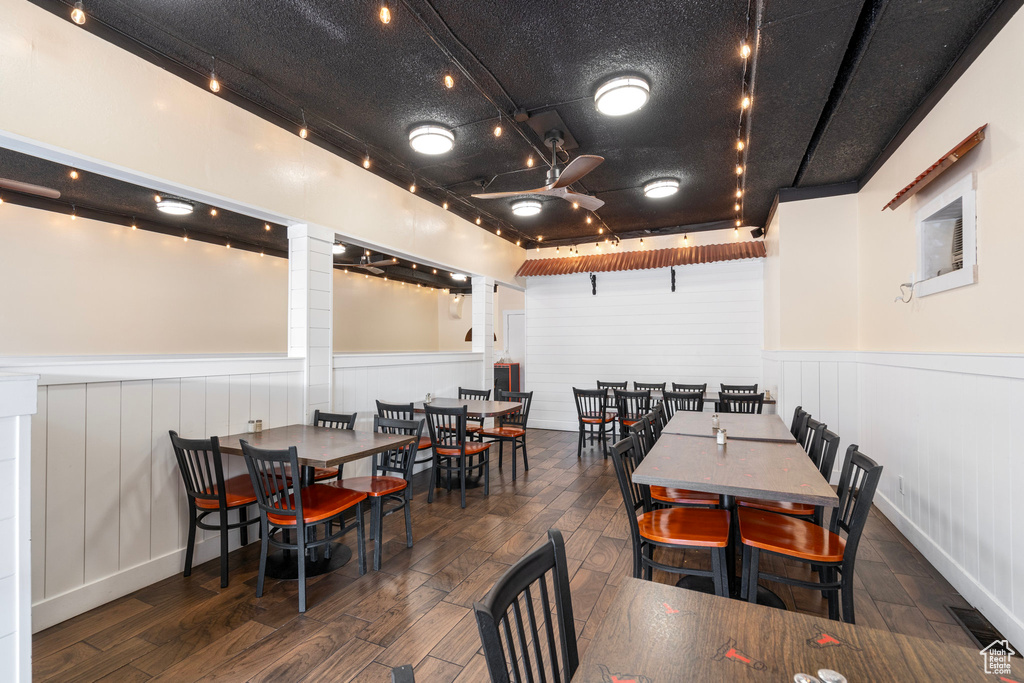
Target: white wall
[[452, 331], [636, 328], [375, 315]]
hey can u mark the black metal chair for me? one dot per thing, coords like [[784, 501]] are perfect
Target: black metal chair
[[475, 424], [738, 388], [802, 541], [333, 421], [659, 417], [646, 435], [685, 401], [592, 413], [406, 411], [537, 649], [298, 511], [811, 433], [630, 407], [690, 388], [453, 452], [391, 481], [610, 387], [645, 386], [740, 403], [512, 428], [676, 527], [202, 472], [799, 423]]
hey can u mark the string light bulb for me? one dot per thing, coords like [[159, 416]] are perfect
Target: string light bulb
[[498, 231], [738, 223], [745, 102], [385, 13], [412, 187], [134, 226], [497, 130], [184, 238], [641, 242], [157, 198], [262, 254], [600, 231], [739, 170], [519, 243], [266, 226], [445, 205], [478, 220], [74, 212], [214, 83], [529, 162], [744, 50], [736, 206], [213, 212], [73, 174], [589, 220], [228, 245], [685, 238], [449, 82], [1, 200], [739, 193], [366, 161], [435, 271], [575, 205], [303, 132], [78, 13], [740, 145]]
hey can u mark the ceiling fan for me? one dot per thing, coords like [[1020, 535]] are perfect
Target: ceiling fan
[[366, 264], [559, 178], [29, 188]]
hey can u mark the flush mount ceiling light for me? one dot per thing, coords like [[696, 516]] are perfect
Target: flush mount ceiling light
[[431, 139], [623, 95], [175, 207], [663, 187], [526, 207], [459, 277], [338, 248]]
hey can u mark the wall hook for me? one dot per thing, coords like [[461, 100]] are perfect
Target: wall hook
[[593, 284], [673, 279]]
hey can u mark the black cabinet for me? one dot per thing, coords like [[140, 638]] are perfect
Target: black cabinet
[[506, 377]]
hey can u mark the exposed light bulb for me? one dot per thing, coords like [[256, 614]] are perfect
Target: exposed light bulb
[[589, 220], [745, 103], [556, 250], [156, 198], [394, 260], [740, 145], [540, 238], [739, 193], [685, 238], [736, 206], [739, 170], [529, 162], [366, 161], [228, 245], [214, 83], [518, 242], [303, 133], [600, 231], [412, 188], [134, 227], [444, 206], [597, 245], [738, 223], [184, 238], [74, 214], [497, 131], [478, 220], [435, 271], [736, 231], [414, 266], [385, 14], [744, 50], [262, 254], [1, 200], [575, 205], [73, 174], [266, 226], [213, 212], [78, 13], [498, 231], [641, 241], [449, 82]]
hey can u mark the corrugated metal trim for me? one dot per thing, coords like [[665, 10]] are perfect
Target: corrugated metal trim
[[642, 260], [933, 171]]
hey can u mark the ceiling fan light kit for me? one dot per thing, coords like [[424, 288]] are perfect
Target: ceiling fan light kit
[[662, 187], [526, 207], [622, 95], [431, 139], [175, 207]]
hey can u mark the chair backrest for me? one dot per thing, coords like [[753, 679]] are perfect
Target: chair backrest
[[658, 418], [479, 394], [396, 411], [398, 461], [621, 386], [687, 401], [334, 420], [591, 403], [644, 432], [637, 497], [632, 405], [518, 610], [447, 426], [824, 451], [201, 468], [811, 434], [738, 388], [525, 398], [798, 419], [856, 491], [740, 403], [270, 472], [645, 386], [690, 388]]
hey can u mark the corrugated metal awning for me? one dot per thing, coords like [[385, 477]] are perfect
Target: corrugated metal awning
[[933, 171], [641, 260]]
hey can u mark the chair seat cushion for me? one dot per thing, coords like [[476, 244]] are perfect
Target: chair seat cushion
[[319, 473], [780, 506], [320, 502], [373, 486], [789, 536], [686, 527], [504, 432], [597, 419], [238, 491], [471, 449], [424, 443], [628, 422], [683, 496]]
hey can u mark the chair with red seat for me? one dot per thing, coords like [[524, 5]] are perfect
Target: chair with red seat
[[453, 452], [676, 527], [631, 406], [512, 428], [333, 421], [824, 549], [407, 411], [287, 511], [391, 481], [663, 496], [202, 471], [475, 424], [594, 418]]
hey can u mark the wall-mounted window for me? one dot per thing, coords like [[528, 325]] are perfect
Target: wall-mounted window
[[947, 254]]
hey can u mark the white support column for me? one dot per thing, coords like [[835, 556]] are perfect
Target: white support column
[[18, 396], [311, 311], [483, 327]]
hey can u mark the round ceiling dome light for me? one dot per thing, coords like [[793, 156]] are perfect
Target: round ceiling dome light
[[663, 187], [622, 95], [431, 139], [175, 207], [526, 207]]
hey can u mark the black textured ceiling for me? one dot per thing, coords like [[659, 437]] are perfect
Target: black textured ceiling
[[834, 81]]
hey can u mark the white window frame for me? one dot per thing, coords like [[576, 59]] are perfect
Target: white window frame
[[964, 189]]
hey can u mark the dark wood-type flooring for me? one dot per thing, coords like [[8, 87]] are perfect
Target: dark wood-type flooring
[[417, 609]]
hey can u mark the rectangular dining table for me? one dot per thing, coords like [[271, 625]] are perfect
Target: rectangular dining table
[[754, 469], [317, 447], [736, 425], [474, 407], [656, 633]]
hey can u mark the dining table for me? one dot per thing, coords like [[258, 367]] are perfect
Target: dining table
[[655, 633], [742, 426], [317, 447], [710, 397], [739, 468]]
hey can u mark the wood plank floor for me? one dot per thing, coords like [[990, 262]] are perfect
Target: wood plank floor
[[417, 609]]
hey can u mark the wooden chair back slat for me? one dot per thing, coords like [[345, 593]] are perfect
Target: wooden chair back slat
[[447, 426], [270, 472], [200, 466], [740, 403]]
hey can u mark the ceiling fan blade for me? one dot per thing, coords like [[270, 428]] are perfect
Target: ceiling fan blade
[[588, 202], [372, 269], [499, 195], [29, 188], [577, 168]]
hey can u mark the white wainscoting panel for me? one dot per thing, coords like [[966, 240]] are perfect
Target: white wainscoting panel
[[635, 328], [949, 425]]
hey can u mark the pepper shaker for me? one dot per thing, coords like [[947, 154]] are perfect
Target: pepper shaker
[[259, 426], [714, 421], [720, 438], [251, 427]]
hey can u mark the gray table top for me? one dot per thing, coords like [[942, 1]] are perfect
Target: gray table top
[[737, 426]]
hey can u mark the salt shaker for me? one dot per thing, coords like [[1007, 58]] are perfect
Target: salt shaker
[[720, 438], [805, 678], [259, 426], [830, 676], [714, 421], [251, 427]]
